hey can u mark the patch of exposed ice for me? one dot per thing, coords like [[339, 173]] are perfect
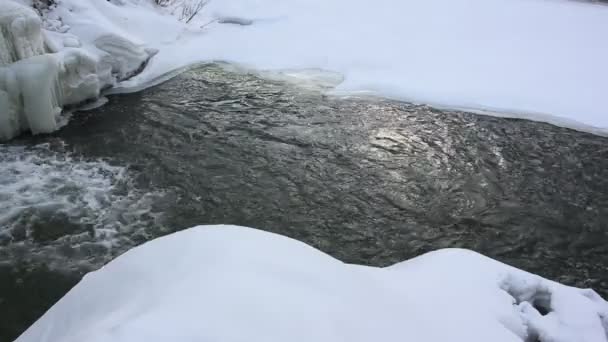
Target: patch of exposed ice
[[235, 21], [315, 79]]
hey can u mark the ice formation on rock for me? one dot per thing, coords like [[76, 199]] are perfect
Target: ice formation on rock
[[227, 283], [20, 33], [41, 71], [29, 96], [33, 90], [122, 56]]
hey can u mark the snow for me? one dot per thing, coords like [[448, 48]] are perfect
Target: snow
[[228, 283], [123, 57], [525, 57], [535, 59], [538, 59]]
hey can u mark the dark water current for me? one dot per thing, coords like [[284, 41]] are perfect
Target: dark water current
[[368, 181]]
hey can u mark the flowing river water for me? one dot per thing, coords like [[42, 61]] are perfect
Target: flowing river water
[[367, 180]]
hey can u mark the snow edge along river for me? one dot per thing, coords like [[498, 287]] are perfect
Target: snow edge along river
[[490, 57]]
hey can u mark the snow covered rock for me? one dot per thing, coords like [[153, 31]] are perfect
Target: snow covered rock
[[227, 283]]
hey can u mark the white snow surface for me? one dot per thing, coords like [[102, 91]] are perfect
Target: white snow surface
[[539, 59], [228, 283]]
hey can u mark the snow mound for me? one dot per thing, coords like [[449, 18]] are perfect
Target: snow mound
[[227, 283]]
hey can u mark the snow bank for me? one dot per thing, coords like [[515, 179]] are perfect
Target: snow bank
[[536, 59], [227, 283], [527, 58]]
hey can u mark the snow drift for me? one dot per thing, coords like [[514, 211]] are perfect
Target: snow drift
[[227, 283]]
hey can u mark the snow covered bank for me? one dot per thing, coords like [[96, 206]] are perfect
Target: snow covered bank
[[40, 71], [226, 283], [528, 58], [536, 59]]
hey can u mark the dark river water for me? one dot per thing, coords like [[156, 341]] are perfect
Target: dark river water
[[367, 180]]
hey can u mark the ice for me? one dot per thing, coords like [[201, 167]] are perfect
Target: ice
[[35, 84], [20, 33], [33, 90], [235, 21], [29, 96], [124, 57], [227, 283], [79, 76]]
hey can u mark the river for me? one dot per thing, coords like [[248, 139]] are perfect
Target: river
[[367, 180]]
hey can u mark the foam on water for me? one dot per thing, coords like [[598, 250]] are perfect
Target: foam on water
[[65, 210]]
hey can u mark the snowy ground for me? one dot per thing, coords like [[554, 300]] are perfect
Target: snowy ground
[[227, 283]]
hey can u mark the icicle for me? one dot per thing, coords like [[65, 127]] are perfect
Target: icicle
[[37, 80]]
